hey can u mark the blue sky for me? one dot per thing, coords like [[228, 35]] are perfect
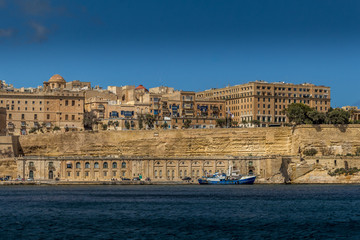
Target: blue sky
[[188, 45]]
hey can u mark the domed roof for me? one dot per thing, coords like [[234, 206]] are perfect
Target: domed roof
[[57, 78], [140, 87]]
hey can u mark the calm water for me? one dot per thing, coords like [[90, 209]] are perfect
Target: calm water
[[180, 212]]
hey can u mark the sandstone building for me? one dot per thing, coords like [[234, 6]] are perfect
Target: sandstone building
[[130, 103], [265, 102], [52, 107], [2, 121]]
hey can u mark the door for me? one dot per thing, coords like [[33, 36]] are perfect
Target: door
[[51, 175]]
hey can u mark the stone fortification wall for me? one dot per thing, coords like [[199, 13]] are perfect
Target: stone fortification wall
[[328, 140], [206, 142]]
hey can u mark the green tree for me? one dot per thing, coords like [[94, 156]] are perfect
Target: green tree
[[149, 120], [104, 127], [89, 120], [244, 122], [255, 122], [187, 123], [316, 117], [127, 125], [220, 122], [165, 125], [298, 113], [337, 116]]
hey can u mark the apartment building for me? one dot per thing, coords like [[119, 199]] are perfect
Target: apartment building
[[53, 107], [164, 103], [2, 121], [265, 102]]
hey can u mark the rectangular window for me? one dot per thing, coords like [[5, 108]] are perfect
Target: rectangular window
[[73, 103], [35, 116], [47, 116], [73, 117], [66, 117], [22, 116]]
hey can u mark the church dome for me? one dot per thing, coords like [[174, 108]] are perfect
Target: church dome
[[57, 79], [140, 87]]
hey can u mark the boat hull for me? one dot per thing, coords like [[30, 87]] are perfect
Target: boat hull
[[247, 180]]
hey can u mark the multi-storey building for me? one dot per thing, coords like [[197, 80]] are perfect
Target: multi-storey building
[[266, 102], [354, 113], [165, 104], [54, 107], [2, 121]]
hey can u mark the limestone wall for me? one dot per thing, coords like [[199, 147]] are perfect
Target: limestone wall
[[327, 139], [202, 142], [213, 142]]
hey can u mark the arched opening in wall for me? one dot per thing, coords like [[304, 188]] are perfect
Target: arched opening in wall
[[96, 165], [251, 172], [87, 165], [346, 165], [78, 165], [51, 174], [123, 165], [114, 165], [31, 174], [335, 163], [105, 165], [317, 161]]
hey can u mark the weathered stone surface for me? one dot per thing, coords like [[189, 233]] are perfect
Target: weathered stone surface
[[217, 142]]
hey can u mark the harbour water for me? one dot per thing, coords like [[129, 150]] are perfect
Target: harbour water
[[180, 212]]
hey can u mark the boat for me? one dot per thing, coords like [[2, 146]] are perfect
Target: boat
[[222, 178], [232, 178]]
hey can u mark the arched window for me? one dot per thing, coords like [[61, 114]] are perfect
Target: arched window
[[114, 165], [96, 165], [180, 173], [31, 174], [251, 172], [87, 165], [68, 165], [123, 165], [105, 165], [31, 164], [78, 165], [185, 173], [155, 173]]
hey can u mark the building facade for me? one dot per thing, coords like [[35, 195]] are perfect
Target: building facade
[[43, 110], [155, 168], [266, 102], [2, 121], [172, 109]]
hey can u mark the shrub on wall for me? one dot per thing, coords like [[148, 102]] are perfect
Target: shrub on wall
[[310, 152]]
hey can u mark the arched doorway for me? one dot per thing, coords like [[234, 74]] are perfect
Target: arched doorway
[[31, 174], [251, 172], [51, 174]]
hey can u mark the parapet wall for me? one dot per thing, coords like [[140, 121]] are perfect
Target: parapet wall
[[205, 142]]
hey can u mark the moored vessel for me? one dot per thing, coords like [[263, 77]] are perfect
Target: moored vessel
[[222, 178]]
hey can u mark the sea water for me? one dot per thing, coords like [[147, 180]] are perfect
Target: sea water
[[180, 212]]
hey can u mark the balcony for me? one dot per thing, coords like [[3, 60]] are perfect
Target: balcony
[[187, 106]]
